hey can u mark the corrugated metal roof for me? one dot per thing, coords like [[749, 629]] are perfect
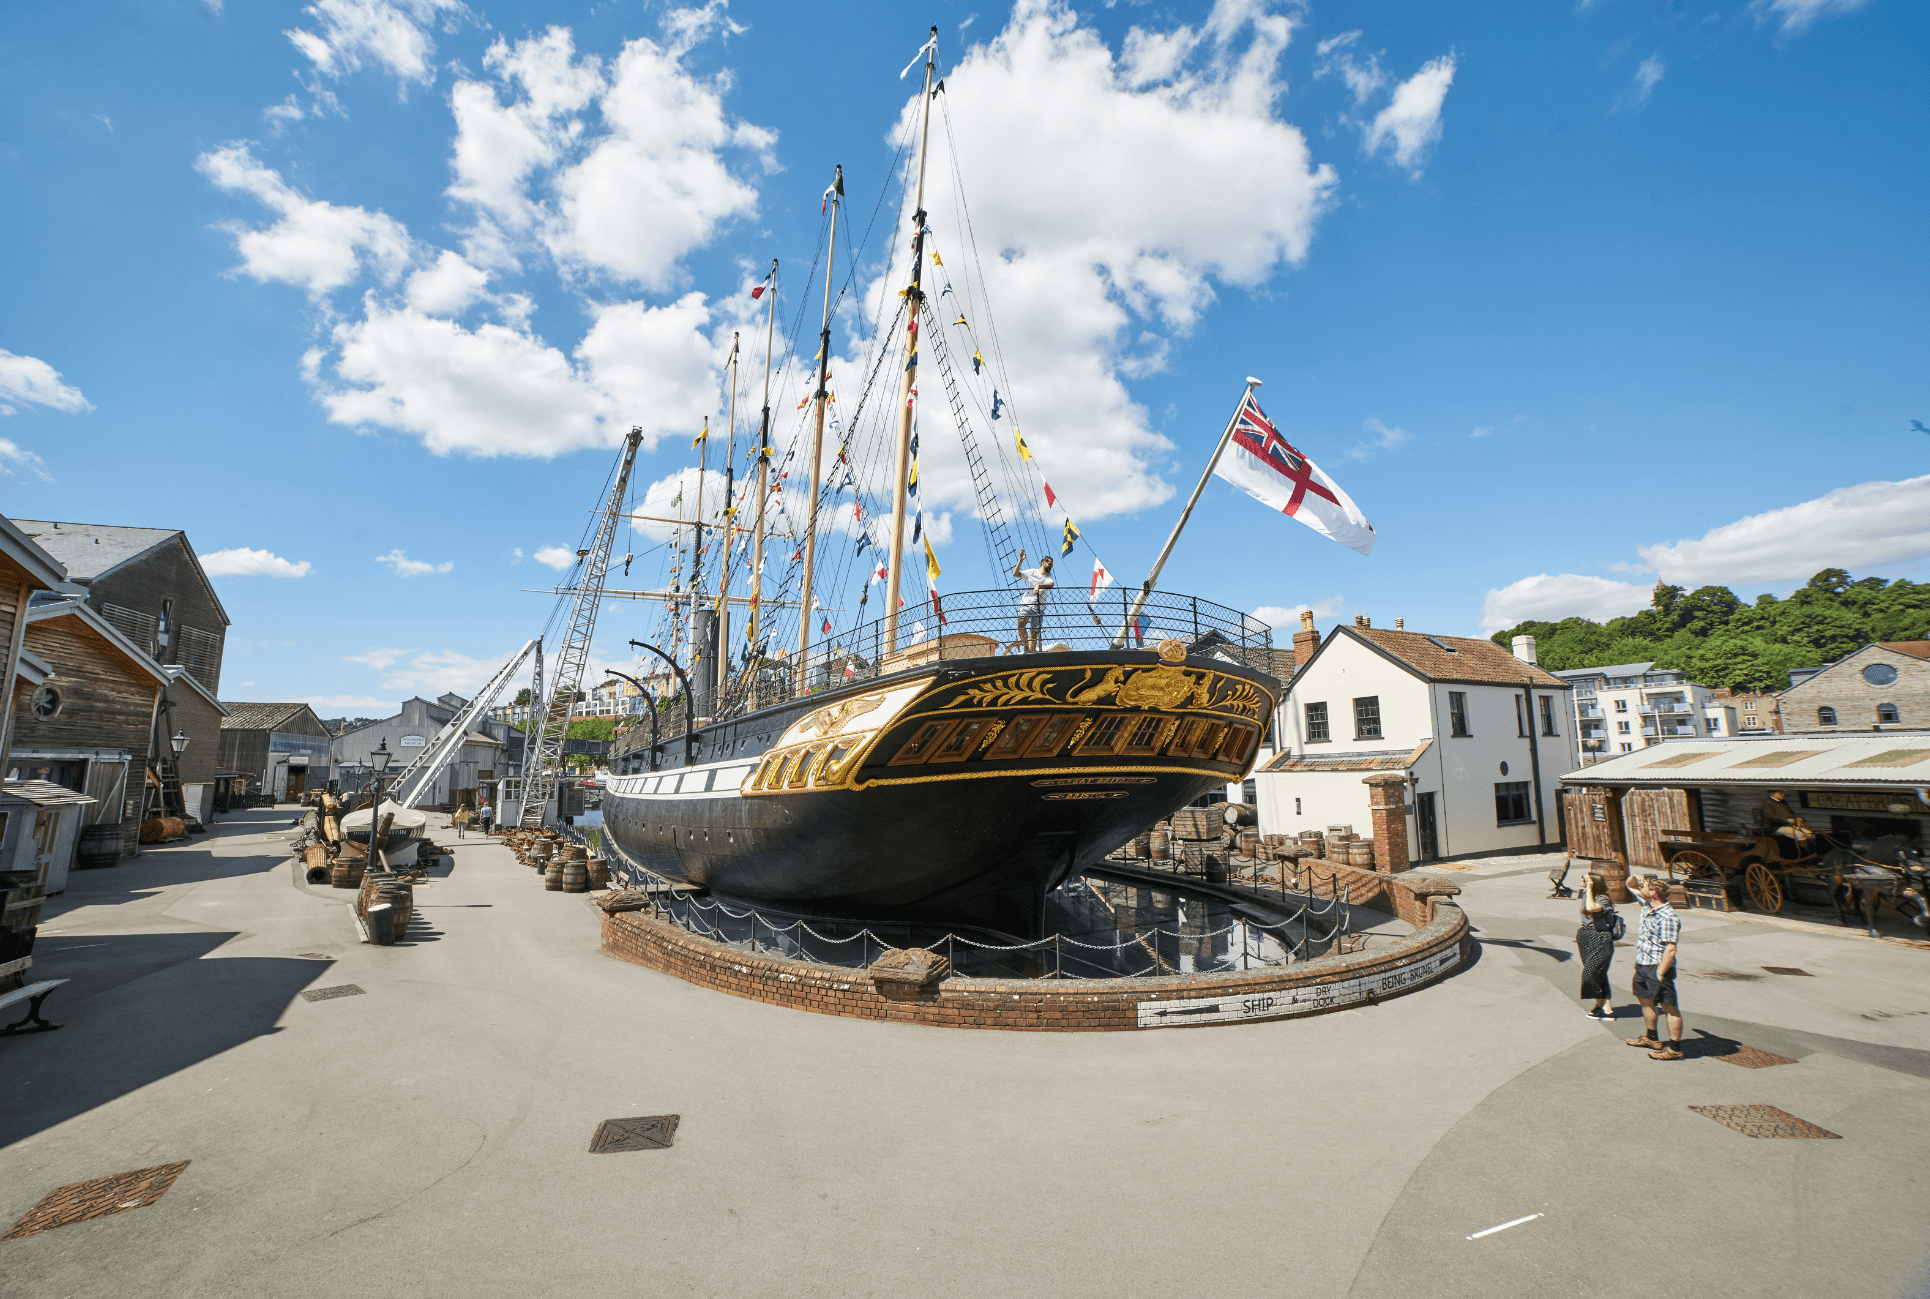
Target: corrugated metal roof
[[1897, 758], [43, 793]]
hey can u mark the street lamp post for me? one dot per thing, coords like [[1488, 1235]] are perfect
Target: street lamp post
[[650, 702], [378, 763], [691, 737]]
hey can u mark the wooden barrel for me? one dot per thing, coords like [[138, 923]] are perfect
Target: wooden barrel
[[1159, 846], [599, 869], [1143, 845], [540, 850], [1249, 843], [100, 847], [347, 872], [553, 877], [576, 877], [1616, 875], [1241, 814], [1360, 853]]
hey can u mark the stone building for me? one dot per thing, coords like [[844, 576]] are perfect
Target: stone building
[[1885, 685]]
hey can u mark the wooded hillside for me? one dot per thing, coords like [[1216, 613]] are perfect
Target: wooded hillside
[[1720, 641]]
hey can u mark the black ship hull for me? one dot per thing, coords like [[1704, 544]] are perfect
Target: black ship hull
[[957, 792]]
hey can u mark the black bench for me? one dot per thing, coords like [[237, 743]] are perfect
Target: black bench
[[33, 994]]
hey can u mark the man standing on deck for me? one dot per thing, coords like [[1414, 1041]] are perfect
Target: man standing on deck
[[1032, 605]]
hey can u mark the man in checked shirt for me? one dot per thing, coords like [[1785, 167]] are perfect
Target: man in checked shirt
[[1655, 968]]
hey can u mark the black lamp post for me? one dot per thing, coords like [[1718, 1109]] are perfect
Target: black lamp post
[[179, 743], [650, 702], [691, 737], [378, 763]]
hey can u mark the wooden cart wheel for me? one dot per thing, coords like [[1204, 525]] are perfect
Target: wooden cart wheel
[[1695, 865], [1765, 890]]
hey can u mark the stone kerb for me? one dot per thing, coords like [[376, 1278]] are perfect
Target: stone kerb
[[1438, 946]]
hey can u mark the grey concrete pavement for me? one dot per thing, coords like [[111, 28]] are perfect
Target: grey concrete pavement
[[430, 1136]]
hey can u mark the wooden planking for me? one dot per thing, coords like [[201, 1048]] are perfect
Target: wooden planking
[[1594, 823], [1649, 815], [202, 723], [168, 572]]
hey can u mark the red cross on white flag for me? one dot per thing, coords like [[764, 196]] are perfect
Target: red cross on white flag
[[1268, 468]]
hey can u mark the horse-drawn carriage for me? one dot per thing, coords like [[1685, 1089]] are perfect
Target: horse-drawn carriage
[[1766, 867]]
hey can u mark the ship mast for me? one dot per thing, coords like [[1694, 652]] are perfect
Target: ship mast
[[730, 532], [763, 458], [915, 297], [835, 195]]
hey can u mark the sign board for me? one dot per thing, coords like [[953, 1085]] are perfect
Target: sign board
[[1294, 1001], [1899, 803], [413, 742]]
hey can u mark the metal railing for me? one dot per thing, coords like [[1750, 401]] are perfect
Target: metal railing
[[1249, 941], [971, 625]]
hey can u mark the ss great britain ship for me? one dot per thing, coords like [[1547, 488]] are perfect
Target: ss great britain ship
[[925, 765]]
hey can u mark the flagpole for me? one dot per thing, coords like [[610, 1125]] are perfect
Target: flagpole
[[914, 298], [836, 199], [1147, 589]]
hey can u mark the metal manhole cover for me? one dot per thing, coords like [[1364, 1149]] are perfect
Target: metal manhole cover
[[1763, 1121], [329, 994], [1750, 1057], [654, 1132], [98, 1198], [1788, 969]]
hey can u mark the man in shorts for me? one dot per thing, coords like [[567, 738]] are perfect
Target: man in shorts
[[1655, 945], [1032, 604]]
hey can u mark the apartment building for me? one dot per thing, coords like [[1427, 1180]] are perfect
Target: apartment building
[[1627, 706], [1750, 713]]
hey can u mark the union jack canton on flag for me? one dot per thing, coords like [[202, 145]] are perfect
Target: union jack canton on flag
[[1270, 469]]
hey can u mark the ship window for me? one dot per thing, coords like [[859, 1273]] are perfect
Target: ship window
[[1106, 736], [1013, 741], [923, 741], [1052, 735], [1184, 741], [1234, 750], [959, 745], [1145, 735], [801, 768], [1209, 740]]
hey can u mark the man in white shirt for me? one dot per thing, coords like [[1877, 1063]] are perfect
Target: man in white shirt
[[1032, 604]]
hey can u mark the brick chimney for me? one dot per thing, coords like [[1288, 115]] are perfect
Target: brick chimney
[[1387, 802], [1362, 620], [1306, 640]]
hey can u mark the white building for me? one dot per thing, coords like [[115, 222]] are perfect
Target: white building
[[1630, 706], [1484, 738]]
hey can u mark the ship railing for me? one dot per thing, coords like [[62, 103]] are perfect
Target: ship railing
[[1296, 936], [985, 625]]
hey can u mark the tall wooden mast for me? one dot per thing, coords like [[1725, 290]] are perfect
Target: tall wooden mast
[[914, 297], [763, 456], [835, 195], [730, 531]]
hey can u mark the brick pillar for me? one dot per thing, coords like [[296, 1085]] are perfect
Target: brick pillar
[[1387, 801], [1305, 641]]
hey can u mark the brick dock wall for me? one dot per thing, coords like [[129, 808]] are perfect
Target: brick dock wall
[[1036, 1005]]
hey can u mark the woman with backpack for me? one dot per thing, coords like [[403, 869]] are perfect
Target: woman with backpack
[[1601, 927]]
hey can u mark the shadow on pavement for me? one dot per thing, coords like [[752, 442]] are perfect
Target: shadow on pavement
[[140, 1007], [186, 862]]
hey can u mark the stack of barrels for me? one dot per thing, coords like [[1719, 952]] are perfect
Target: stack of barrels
[[385, 903]]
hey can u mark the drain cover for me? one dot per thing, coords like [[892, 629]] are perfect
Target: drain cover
[[97, 1199], [1763, 1121], [329, 994], [1788, 969], [1750, 1057], [655, 1132]]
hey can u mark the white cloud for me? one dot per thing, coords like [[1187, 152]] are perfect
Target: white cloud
[[1411, 122], [1045, 118], [378, 657], [347, 705], [1384, 438], [1482, 431], [431, 673], [1863, 528], [32, 382], [406, 567], [555, 557], [243, 562], [1635, 97], [1284, 619], [12, 453], [446, 288], [1364, 77], [1796, 15], [315, 244], [1550, 597], [392, 34]]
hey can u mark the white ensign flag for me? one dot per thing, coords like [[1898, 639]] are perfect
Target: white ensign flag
[[1266, 467]]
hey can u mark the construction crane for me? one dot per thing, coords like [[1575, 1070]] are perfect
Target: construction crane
[[419, 777], [544, 762]]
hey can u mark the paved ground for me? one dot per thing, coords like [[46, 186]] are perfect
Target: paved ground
[[430, 1136]]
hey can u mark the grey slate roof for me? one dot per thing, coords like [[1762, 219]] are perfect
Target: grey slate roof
[[257, 717], [90, 549]]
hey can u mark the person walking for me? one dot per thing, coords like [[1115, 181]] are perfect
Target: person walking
[[1600, 927], [1038, 582], [1655, 946], [462, 821], [485, 813]]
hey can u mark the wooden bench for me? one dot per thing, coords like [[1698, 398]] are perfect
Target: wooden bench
[[33, 994]]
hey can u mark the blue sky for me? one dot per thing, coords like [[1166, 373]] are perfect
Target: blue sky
[[1566, 296]]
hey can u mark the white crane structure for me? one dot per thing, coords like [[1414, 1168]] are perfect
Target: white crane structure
[[419, 777]]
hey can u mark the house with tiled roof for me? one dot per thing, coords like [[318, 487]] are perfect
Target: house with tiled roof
[[283, 749], [1481, 736]]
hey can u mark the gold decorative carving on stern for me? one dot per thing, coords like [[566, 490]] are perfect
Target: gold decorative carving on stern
[[1078, 734], [991, 733], [827, 721], [1162, 687], [1242, 698], [1019, 688]]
